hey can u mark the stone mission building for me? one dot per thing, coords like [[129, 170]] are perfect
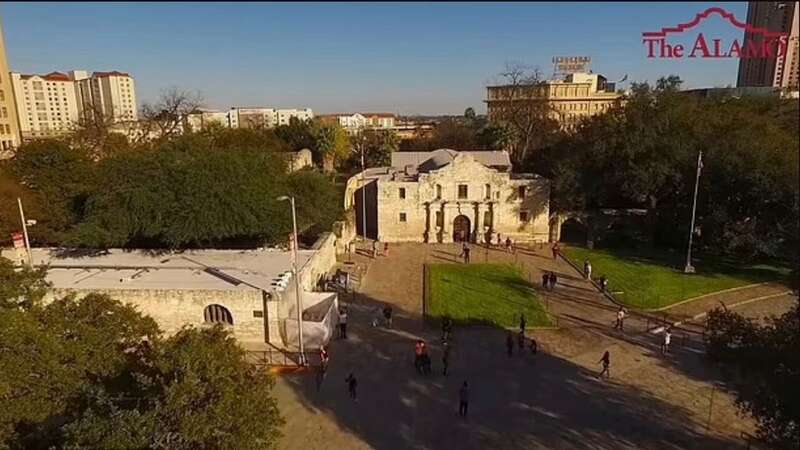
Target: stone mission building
[[449, 196]]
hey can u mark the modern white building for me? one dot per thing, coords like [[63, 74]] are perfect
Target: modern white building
[[353, 122], [258, 117], [47, 105], [203, 118]]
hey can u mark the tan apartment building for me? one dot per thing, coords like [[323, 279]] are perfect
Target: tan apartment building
[[53, 104], [573, 97], [9, 126], [781, 71], [112, 94], [46, 104]]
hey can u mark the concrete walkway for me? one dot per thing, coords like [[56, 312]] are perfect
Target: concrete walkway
[[552, 400]]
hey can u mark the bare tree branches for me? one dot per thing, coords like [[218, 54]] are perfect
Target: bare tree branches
[[165, 118], [519, 99]]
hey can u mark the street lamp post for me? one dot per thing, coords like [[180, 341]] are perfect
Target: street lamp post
[[296, 276], [689, 268], [25, 232]]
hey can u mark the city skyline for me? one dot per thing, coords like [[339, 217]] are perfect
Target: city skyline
[[400, 58]]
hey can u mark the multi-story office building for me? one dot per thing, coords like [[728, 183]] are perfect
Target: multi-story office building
[[265, 117], [110, 94], [9, 126], [46, 104], [571, 98], [781, 70]]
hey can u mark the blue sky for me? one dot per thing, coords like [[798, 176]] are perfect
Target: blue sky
[[408, 58]]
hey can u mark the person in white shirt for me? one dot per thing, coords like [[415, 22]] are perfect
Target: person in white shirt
[[620, 319], [667, 339]]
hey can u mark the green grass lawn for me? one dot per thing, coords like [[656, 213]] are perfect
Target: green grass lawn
[[653, 279], [493, 294]]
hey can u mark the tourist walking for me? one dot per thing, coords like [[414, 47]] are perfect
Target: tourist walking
[[603, 284], [386, 249], [447, 328], [606, 360], [463, 400], [508, 244], [534, 346], [343, 323], [587, 269], [545, 280], [667, 339], [323, 365], [419, 349], [620, 319], [387, 314], [465, 252], [509, 343], [352, 385], [553, 280], [522, 323], [521, 341], [445, 358], [556, 249]]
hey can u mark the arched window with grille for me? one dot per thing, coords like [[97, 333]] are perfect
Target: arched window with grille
[[217, 314]]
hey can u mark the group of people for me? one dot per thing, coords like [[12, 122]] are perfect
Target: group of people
[[549, 280]]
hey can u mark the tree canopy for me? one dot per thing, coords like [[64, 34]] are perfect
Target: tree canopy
[[767, 369], [216, 188], [643, 154]]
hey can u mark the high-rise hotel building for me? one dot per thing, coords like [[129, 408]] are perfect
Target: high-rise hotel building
[[781, 71], [53, 104]]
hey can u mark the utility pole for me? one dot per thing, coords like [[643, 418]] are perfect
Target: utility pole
[[689, 268], [25, 232], [296, 276]]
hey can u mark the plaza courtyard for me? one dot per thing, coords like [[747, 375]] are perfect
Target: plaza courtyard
[[552, 400]]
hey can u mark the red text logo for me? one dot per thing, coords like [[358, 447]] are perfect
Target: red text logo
[[758, 42]]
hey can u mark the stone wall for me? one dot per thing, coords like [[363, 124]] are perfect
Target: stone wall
[[174, 308], [503, 204], [323, 260]]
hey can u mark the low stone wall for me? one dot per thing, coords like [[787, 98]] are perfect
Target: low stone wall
[[173, 308]]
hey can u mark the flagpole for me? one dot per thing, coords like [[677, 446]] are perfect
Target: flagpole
[[689, 268]]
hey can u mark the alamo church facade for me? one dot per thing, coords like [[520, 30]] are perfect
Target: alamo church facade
[[449, 196]]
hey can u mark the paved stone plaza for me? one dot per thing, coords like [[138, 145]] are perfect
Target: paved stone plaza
[[551, 401]]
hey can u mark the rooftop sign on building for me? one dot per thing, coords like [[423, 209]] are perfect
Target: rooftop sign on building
[[571, 64]]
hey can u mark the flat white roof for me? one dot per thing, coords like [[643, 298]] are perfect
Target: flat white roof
[[181, 270]]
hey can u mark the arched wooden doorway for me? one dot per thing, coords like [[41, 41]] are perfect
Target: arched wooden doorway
[[461, 229]]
